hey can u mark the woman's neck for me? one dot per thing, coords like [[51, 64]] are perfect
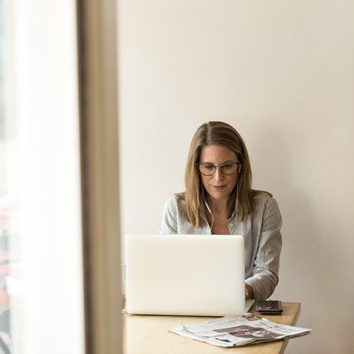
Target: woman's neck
[[217, 206], [218, 216]]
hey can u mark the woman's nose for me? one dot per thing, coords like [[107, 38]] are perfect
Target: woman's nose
[[218, 175]]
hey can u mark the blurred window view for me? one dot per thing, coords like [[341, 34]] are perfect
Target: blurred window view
[[10, 284]]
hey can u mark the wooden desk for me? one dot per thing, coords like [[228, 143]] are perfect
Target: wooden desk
[[149, 335]]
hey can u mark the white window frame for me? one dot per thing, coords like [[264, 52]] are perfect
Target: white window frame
[[66, 98]]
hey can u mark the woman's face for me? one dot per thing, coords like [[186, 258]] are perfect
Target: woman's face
[[219, 185]]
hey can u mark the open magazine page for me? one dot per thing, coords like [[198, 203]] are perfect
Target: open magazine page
[[239, 330]]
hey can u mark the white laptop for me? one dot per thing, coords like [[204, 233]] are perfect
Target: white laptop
[[199, 275]]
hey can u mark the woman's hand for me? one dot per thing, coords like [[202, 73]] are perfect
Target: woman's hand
[[249, 291]]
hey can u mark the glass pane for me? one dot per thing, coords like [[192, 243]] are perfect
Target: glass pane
[[10, 283]]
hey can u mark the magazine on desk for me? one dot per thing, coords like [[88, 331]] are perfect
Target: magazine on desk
[[239, 330]]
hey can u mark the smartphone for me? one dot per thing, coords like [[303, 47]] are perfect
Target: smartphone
[[269, 307]]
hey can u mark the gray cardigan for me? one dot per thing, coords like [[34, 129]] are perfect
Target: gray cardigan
[[262, 237]]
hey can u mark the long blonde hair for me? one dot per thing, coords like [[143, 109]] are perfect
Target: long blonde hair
[[216, 133]]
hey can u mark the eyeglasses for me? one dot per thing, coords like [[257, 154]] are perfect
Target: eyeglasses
[[227, 168]]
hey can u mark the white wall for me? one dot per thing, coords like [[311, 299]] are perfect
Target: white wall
[[282, 73]]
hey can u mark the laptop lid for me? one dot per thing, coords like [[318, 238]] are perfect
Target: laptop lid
[[201, 275]]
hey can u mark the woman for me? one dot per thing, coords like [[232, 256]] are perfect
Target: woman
[[219, 200]]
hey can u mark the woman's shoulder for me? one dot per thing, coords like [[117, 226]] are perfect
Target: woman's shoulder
[[175, 201], [263, 203], [261, 198]]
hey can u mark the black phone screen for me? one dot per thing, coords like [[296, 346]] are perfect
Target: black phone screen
[[269, 306]]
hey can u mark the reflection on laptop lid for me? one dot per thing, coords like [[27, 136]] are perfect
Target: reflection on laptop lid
[[201, 275]]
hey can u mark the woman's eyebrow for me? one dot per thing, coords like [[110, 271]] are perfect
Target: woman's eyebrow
[[223, 163]]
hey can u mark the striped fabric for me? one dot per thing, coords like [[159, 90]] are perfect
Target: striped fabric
[[262, 237]]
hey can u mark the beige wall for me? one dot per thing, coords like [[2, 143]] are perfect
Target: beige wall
[[282, 73]]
